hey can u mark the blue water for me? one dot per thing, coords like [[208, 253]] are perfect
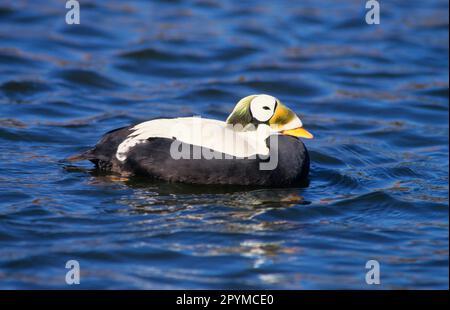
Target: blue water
[[375, 96]]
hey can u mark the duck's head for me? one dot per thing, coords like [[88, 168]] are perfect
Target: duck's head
[[267, 110]]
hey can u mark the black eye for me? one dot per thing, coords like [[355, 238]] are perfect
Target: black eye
[[266, 108]]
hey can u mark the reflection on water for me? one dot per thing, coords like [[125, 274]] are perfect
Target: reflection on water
[[376, 98]]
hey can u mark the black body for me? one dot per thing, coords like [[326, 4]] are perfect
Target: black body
[[152, 159]]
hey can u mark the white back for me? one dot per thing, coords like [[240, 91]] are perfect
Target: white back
[[212, 134]]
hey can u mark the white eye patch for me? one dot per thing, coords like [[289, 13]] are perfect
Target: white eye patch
[[262, 107]]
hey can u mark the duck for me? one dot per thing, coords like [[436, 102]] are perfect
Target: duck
[[257, 145]]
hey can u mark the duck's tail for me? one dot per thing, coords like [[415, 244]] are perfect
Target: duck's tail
[[88, 155]]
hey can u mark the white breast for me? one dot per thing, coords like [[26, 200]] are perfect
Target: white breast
[[212, 134]]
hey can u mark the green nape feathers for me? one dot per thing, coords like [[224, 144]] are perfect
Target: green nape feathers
[[241, 113]]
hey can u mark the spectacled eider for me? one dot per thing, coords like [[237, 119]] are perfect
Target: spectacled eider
[[257, 145]]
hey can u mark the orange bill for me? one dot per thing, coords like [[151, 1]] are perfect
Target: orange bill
[[298, 132]]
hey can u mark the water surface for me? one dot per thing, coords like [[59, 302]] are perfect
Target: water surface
[[375, 96]]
